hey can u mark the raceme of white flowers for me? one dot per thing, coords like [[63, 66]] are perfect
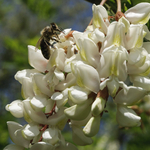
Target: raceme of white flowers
[[74, 84]]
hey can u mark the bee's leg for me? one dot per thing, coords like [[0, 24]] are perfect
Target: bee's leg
[[47, 43], [54, 39], [56, 35]]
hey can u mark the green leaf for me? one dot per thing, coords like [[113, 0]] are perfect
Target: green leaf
[[134, 2]]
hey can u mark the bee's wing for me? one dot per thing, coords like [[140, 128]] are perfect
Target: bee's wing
[[38, 43]]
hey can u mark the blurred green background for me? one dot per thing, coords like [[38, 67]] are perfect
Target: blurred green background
[[20, 24]]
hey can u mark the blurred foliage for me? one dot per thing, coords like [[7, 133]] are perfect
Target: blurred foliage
[[43, 8], [20, 24]]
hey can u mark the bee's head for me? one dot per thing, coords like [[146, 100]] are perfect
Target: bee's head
[[55, 27]]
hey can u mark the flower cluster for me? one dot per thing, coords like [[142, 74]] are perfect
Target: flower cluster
[[74, 84]]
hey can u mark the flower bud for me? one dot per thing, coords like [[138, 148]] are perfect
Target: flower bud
[[78, 95], [30, 131], [79, 138], [42, 146], [98, 106], [32, 115], [58, 119], [15, 132], [16, 108], [13, 147], [67, 146], [99, 14], [92, 127], [50, 135], [78, 112]]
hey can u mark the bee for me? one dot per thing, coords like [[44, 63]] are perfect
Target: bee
[[48, 33]]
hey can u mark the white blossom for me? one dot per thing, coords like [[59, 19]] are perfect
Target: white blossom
[[110, 58]]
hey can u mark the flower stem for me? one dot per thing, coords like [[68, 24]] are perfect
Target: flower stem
[[118, 5], [119, 14], [103, 2]]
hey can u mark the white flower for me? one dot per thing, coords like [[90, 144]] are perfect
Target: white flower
[[129, 95], [79, 137], [32, 115], [78, 95], [51, 135], [42, 146], [13, 147], [112, 84], [78, 112], [36, 59], [96, 36], [15, 132], [134, 37], [126, 117], [140, 81], [58, 119], [98, 106], [38, 102], [92, 127], [16, 108], [67, 146], [40, 85], [86, 76], [88, 51], [72, 87], [57, 59], [116, 64], [30, 131], [140, 13], [115, 35], [100, 16], [138, 62]]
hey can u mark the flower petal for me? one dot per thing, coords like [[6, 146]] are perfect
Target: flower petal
[[75, 112], [39, 102], [16, 108], [15, 130], [36, 59], [78, 95], [13, 147], [126, 117], [92, 127], [130, 95], [78, 136], [116, 64], [50, 135], [140, 81], [140, 13], [89, 51], [31, 115], [42, 146], [99, 15], [86, 76], [30, 131]]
